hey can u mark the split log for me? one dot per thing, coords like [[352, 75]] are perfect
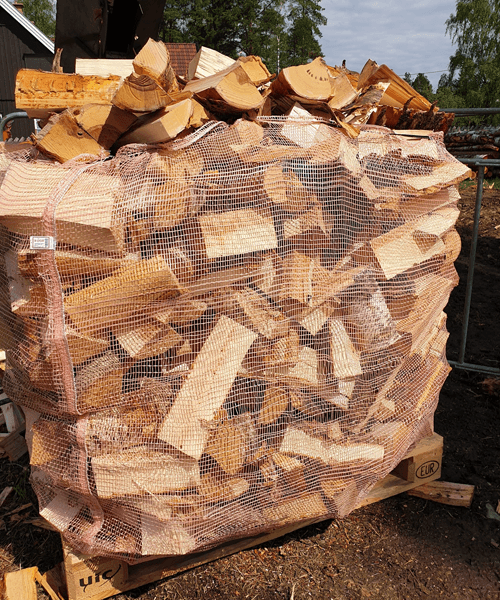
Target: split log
[[268, 321], [227, 446], [306, 371], [443, 176], [314, 319], [181, 312], [284, 188], [153, 60], [310, 82], [352, 76], [292, 472], [170, 538], [255, 69], [295, 510], [142, 471], [346, 361], [149, 339], [365, 104], [300, 443], [279, 355], [206, 387], [341, 493], [302, 130], [200, 115], [392, 435], [208, 62], [27, 188], [82, 347], [369, 319], [161, 126], [230, 90], [237, 232], [104, 122], [44, 447], [25, 297], [398, 94], [99, 383], [104, 67], [412, 243], [275, 402], [215, 489], [304, 279], [71, 265], [140, 94], [63, 138], [21, 584], [343, 92], [121, 295], [41, 93], [61, 510]]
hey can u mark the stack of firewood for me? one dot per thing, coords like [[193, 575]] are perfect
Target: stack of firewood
[[236, 330], [475, 142]]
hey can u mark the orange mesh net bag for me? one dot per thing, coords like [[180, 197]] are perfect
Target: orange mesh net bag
[[228, 333]]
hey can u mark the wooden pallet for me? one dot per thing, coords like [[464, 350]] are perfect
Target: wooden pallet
[[90, 578]]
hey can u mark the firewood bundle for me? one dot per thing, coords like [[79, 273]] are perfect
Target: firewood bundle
[[238, 329]]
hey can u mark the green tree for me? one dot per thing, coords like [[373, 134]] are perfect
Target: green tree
[[215, 24], [173, 28], [408, 78], [423, 86], [42, 14], [447, 95], [281, 32], [474, 73], [262, 32], [304, 20]]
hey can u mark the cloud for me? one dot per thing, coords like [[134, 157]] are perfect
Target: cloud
[[407, 37]]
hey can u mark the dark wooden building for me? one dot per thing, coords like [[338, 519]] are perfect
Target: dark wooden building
[[22, 45]]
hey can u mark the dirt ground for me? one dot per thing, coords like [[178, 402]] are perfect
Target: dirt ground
[[403, 548]]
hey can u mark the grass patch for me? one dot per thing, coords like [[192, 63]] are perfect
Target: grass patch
[[493, 183]]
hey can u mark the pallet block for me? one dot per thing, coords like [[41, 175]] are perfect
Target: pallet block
[[12, 443], [91, 578]]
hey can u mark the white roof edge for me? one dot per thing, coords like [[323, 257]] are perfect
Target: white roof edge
[[27, 24]]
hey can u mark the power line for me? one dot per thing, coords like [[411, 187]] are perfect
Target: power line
[[428, 72]]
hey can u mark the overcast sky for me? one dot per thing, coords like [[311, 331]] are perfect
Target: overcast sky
[[406, 36]]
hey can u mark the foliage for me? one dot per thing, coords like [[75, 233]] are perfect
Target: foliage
[[447, 95], [262, 32], [174, 24], [215, 23], [408, 78], [41, 13], [474, 75], [304, 19], [281, 32], [422, 85]]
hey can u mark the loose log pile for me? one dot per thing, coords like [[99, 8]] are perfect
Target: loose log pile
[[232, 331], [476, 142], [99, 108], [467, 143]]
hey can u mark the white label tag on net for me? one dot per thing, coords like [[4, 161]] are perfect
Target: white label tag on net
[[42, 242]]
